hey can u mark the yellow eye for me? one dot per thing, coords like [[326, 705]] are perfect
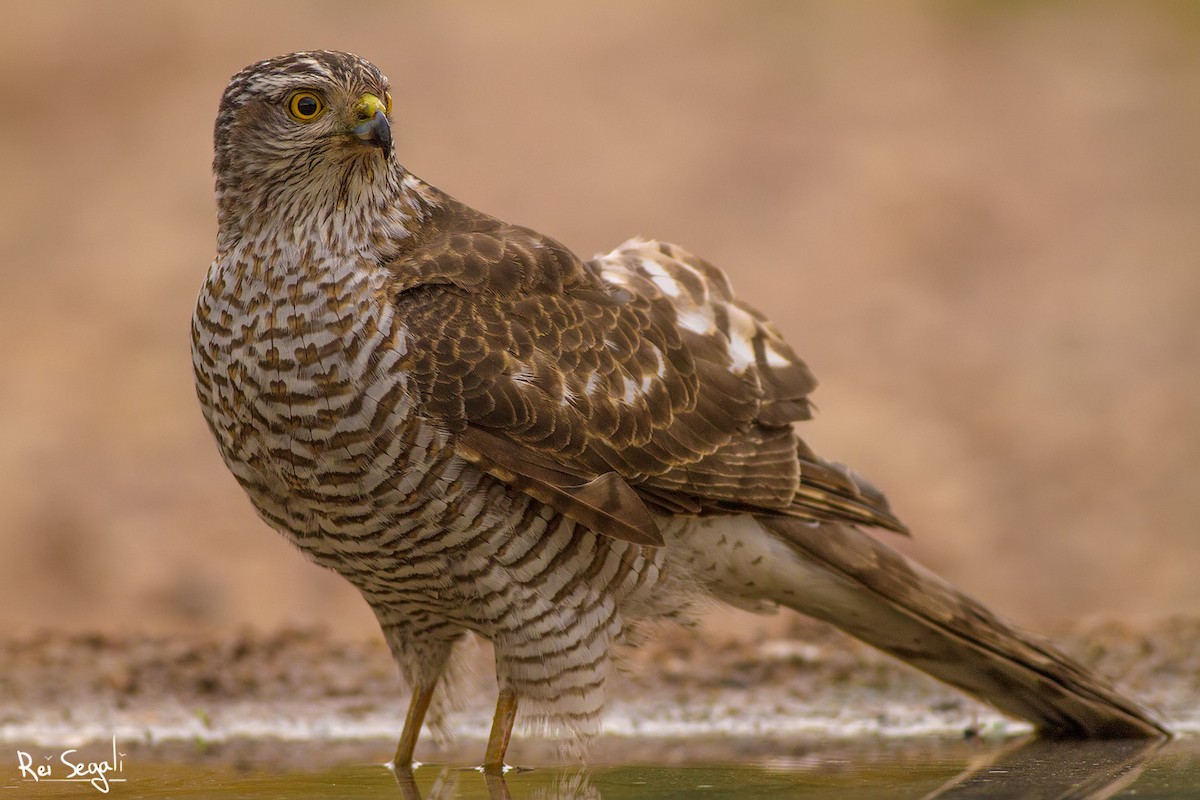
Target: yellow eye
[[387, 104], [305, 106]]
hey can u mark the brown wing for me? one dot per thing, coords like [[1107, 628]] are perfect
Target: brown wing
[[609, 390]]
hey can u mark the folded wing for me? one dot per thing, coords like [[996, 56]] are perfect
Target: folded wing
[[611, 390]]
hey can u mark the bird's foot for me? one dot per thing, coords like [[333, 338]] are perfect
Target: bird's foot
[[500, 769]]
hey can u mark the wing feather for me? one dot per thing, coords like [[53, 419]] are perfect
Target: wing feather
[[612, 389]]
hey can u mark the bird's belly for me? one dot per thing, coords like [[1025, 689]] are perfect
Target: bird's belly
[[385, 512], [340, 464], [417, 529]]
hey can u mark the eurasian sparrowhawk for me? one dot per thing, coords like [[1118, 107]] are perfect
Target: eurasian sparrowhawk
[[484, 432]]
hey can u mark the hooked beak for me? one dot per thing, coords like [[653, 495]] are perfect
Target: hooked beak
[[373, 126]]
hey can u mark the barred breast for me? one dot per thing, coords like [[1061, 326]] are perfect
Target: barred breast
[[303, 383]]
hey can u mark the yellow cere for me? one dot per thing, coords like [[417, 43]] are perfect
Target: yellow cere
[[368, 104]]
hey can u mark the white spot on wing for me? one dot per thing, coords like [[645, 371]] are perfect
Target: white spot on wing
[[631, 391], [741, 350], [593, 383], [697, 320], [661, 278], [660, 366], [774, 359], [615, 277], [742, 331], [523, 376]]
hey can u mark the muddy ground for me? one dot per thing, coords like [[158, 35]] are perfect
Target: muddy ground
[[205, 698]]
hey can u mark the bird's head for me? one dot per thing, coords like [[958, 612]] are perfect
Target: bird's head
[[301, 135]]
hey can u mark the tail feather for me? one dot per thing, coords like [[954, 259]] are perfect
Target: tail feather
[[889, 601]]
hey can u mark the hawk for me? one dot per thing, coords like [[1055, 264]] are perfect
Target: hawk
[[483, 432]]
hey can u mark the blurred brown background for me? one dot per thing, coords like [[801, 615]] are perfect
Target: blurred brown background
[[978, 221]]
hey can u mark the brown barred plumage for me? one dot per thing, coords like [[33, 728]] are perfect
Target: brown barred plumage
[[484, 433]]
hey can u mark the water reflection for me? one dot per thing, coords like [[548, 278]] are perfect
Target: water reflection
[[1026, 769], [564, 784], [649, 769], [1040, 769]]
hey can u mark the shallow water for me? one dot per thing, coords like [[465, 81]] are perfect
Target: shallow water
[[723, 769]]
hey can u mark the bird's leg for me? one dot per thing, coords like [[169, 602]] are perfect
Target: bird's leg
[[413, 721], [502, 725], [421, 647]]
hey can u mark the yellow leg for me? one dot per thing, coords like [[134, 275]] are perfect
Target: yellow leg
[[502, 724], [412, 726]]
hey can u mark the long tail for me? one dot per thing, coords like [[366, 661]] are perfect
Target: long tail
[[851, 580]]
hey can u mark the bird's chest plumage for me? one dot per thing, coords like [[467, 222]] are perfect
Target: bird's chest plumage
[[300, 371]]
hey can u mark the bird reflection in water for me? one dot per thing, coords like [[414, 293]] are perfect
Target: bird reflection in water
[[1027, 768]]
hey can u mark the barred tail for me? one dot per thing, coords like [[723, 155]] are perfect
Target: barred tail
[[876, 594]]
